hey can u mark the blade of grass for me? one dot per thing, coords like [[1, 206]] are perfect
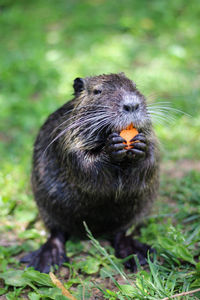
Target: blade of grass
[[103, 251]]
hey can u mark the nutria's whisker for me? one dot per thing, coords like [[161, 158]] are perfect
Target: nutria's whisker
[[161, 114], [96, 124], [57, 137], [83, 114], [162, 120], [86, 121], [99, 126], [81, 122], [165, 106]]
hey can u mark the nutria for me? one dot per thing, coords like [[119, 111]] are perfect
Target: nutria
[[82, 171]]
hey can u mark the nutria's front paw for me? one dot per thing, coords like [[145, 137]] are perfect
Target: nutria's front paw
[[115, 147], [139, 147]]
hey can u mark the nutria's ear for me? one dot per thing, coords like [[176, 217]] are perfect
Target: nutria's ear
[[78, 85]]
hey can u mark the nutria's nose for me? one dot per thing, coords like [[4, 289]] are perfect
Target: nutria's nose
[[130, 107]]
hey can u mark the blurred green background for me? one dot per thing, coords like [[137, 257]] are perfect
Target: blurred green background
[[44, 45]]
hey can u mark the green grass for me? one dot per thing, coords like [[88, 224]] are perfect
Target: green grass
[[44, 46]]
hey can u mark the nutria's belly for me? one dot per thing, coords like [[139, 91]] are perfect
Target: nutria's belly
[[102, 217]]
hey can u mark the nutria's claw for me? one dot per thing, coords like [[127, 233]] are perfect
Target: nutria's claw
[[115, 146]]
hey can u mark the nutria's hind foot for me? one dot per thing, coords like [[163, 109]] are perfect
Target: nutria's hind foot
[[51, 254], [126, 245]]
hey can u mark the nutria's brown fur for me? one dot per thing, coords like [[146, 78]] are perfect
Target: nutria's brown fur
[[81, 171]]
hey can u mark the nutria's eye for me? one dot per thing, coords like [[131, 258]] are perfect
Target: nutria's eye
[[96, 92]]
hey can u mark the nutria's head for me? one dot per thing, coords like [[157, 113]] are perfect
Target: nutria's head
[[105, 104]]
